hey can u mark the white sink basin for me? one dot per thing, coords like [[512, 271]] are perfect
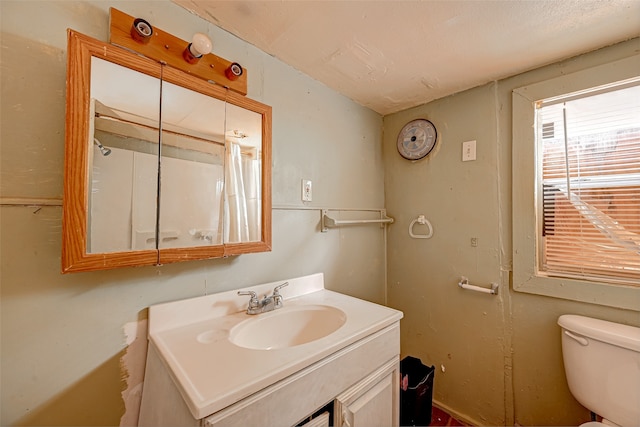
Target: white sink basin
[[287, 327]]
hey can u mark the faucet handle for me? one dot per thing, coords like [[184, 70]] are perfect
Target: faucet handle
[[252, 294], [254, 297], [277, 298], [276, 290]]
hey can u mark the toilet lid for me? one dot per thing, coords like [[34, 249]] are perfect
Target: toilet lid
[[593, 424]]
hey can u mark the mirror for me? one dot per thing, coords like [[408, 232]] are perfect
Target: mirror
[[243, 170], [124, 131], [192, 178], [160, 166]]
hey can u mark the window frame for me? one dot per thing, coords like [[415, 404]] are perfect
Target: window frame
[[526, 277]]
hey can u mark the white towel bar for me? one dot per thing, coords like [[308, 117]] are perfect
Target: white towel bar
[[464, 284], [327, 221]]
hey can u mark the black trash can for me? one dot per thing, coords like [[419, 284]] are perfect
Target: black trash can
[[416, 392]]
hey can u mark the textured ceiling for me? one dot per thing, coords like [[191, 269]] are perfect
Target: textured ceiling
[[393, 55]]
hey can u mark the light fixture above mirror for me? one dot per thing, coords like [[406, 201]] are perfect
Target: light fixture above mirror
[[138, 35]]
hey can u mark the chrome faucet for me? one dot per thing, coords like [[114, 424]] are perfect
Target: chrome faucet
[[268, 303]]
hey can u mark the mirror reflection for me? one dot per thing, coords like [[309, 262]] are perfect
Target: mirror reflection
[[192, 169], [123, 155], [243, 194]]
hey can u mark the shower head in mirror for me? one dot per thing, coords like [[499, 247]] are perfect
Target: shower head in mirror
[[236, 134], [104, 150]]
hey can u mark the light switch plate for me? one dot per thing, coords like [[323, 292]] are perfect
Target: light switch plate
[[306, 190], [468, 151]]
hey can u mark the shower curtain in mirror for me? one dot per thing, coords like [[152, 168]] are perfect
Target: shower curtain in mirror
[[243, 201]]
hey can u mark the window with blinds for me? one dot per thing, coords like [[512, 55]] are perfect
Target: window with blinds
[[588, 148]]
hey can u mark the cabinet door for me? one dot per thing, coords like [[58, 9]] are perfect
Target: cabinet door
[[372, 402]]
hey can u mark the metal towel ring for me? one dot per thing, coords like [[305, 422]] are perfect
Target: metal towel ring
[[424, 221]]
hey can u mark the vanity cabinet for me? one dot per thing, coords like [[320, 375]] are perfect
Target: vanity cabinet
[[196, 375], [362, 380], [356, 378]]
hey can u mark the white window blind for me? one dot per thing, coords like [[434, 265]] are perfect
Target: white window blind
[[588, 148]]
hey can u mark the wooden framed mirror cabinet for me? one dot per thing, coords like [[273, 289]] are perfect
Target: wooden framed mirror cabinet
[[160, 166]]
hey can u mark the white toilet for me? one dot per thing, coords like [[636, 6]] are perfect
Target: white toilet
[[602, 364]]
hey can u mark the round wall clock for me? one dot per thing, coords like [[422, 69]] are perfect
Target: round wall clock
[[416, 139]]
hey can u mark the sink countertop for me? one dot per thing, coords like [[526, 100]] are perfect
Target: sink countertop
[[211, 373]]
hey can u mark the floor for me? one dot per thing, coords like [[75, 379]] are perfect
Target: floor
[[441, 418]]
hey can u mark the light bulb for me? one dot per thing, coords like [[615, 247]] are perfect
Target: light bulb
[[200, 45]]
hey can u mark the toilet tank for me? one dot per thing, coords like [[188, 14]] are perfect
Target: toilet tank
[[602, 365]]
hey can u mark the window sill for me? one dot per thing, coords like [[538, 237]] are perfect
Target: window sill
[[612, 295]]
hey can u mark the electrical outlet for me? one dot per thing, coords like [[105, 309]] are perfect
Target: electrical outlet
[[468, 151], [306, 190]]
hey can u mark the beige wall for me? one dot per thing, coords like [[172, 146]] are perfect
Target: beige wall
[[501, 354], [65, 354]]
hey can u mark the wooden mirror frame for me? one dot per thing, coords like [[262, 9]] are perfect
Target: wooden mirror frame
[[76, 165]]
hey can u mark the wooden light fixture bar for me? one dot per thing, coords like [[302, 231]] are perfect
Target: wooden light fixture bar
[[164, 47]]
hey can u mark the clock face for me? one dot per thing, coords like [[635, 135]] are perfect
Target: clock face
[[416, 139]]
